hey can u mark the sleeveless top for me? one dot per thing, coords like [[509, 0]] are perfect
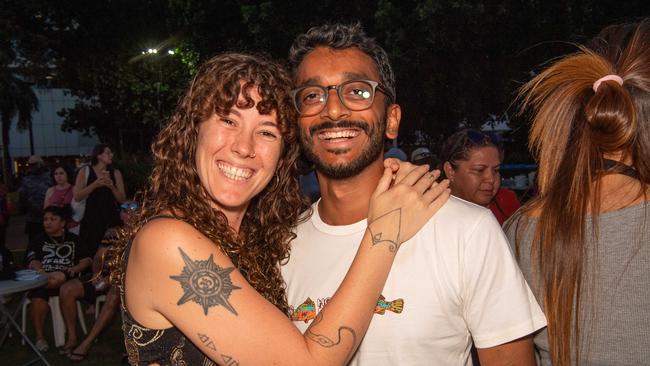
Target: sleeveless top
[[101, 205], [101, 212], [61, 197], [615, 325], [145, 346]]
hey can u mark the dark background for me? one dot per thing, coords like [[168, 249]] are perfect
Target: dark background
[[456, 61]]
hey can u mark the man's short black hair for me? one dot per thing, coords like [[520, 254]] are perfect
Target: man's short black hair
[[341, 36], [61, 212]]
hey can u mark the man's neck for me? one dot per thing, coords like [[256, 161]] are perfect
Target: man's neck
[[346, 201], [57, 235]]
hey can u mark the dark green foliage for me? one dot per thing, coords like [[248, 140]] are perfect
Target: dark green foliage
[[136, 170], [455, 60]]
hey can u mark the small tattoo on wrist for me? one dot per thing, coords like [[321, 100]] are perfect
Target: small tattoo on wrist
[[378, 237]]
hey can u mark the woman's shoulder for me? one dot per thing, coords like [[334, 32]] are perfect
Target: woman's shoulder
[[163, 228], [162, 235], [156, 240]]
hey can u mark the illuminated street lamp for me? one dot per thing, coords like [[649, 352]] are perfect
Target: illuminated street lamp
[[152, 51]]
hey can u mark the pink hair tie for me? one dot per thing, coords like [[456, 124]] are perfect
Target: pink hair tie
[[612, 77]]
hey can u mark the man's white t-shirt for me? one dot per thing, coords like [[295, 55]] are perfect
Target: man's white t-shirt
[[455, 281]]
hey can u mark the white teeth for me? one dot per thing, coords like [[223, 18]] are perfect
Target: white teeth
[[235, 173], [329, 135]]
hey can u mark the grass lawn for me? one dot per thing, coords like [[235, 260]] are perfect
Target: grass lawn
[[107, 350]]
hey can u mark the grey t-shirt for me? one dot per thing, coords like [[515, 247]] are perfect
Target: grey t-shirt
[[615, 314]]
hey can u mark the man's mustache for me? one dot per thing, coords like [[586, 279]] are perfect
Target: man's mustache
[[339, 124]]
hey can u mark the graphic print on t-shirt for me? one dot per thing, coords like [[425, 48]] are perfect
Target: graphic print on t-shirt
[[57, 257], [396, 306], [307, 310], [304, 312]]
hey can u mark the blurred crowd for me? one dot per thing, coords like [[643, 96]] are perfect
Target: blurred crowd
[[71, 217]]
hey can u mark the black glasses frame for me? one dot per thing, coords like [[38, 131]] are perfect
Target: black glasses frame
[[326, 89]]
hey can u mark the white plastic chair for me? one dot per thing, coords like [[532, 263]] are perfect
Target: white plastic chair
[[58, 324], [98, 303]]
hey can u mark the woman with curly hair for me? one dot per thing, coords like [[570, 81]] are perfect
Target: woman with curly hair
[[199, 269], [583, 243]]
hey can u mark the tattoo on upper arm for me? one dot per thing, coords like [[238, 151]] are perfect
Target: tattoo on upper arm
[[379, 237], [205, 283], [327, 342]]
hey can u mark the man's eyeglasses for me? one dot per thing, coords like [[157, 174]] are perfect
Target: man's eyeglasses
[[355, 95], [129, 206]]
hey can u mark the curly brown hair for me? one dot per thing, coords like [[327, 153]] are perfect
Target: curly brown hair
[[262, 243]]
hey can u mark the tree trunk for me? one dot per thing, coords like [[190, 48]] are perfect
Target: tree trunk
[[6, 159], [31, 139]]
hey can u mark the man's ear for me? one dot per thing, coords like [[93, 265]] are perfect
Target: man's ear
[[393, 116], [449, 170]]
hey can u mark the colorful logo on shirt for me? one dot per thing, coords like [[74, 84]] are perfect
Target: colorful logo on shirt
[[307, 310], [304, 312], [396, 306]]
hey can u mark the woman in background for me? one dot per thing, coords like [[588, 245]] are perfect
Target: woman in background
[[60, 194], [472, 163], [583, 242], [102, 187]]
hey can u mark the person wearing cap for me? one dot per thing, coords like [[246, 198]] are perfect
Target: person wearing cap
[[421, 156], [395, 153], [32, 195]]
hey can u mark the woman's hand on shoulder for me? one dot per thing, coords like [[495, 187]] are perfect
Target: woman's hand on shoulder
[[403, 202]]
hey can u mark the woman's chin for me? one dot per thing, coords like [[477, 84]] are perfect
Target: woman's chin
[[231, 204]]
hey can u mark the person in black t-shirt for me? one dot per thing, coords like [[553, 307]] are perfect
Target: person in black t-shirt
[[57, 254]]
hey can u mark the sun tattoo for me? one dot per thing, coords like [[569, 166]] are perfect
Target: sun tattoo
[[205, 283]]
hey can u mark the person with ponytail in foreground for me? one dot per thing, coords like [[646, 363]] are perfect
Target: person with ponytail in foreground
[[583, 242]]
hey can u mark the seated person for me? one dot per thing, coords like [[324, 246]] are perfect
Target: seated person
[[88, 289], [58, 254]]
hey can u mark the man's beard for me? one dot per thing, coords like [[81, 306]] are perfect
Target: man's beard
[[368, 155]]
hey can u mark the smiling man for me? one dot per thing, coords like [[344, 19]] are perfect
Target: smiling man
[[455, 282]]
